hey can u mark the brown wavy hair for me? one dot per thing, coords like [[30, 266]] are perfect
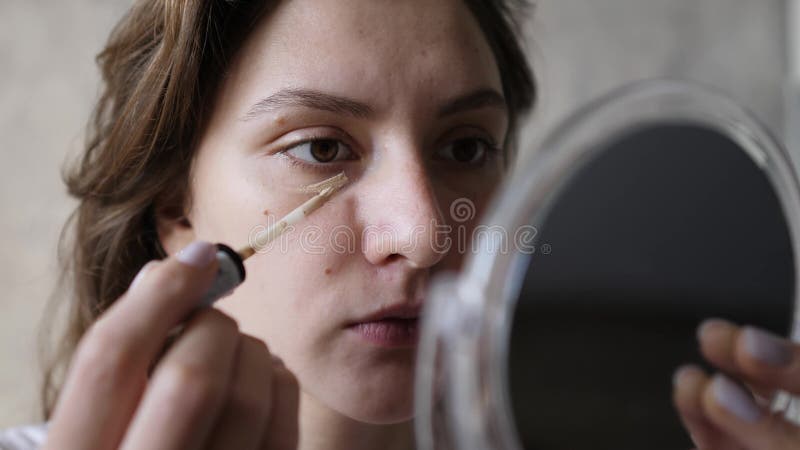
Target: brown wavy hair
[[161, 68]]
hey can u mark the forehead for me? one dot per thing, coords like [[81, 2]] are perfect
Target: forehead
[[387, 51]]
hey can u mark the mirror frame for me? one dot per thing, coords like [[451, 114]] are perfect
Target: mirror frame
[[462, 397]]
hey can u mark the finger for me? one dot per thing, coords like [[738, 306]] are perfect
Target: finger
[[188, 388], [109, 371], [283, 428], [733, 411], [244, 418], [716, 338], [689, 385], [718, 344], [765, 361], [768, 360], [164, 296]]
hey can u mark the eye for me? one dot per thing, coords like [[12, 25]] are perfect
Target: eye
[[320, 151], [472, 151]]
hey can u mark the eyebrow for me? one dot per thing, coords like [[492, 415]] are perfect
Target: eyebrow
[[313, 99], [481, 98], [310, 99]]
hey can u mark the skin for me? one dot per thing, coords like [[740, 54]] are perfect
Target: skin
[[426, 90]]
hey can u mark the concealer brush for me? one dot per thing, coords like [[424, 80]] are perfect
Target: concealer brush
[[231, 271]]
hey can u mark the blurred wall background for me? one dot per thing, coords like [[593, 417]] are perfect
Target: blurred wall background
[[581, 48], [584, 48], [48, 84]]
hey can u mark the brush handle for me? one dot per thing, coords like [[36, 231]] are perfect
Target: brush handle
[[230, 273]]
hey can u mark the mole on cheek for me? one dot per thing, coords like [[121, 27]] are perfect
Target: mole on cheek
[[328, 271], [266, 212], [280, 121]]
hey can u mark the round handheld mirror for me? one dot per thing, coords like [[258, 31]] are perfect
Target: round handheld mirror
[[657, 206]]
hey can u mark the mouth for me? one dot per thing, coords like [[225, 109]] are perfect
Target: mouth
[[393, 327]]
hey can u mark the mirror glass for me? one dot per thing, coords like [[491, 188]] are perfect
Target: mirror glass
[[666, 225]]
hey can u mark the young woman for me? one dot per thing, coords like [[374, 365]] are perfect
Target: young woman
[[215, 114]]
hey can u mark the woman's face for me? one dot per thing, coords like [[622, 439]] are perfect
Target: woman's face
[[406, 99]]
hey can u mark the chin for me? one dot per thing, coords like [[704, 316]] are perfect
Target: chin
[[384, 399], [383, 411]]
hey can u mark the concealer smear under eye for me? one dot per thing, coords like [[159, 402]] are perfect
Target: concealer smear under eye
[[280, 175], [334, 182], [324, 190]]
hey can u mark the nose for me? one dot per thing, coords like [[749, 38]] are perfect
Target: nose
[[401, 216]]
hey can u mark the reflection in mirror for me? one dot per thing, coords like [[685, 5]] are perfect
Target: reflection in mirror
[[671, 224]]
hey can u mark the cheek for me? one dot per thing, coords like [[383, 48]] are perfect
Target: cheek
[[301, 288], [234, 200], [234, 195], [464, 214], [225, 205], [289, 302]]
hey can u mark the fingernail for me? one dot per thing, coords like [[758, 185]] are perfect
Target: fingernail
[[197, 254], [766, 347], [684, 373], [734, 399], [709, 325], [139, 276]]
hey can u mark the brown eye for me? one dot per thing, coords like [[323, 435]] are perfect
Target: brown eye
[[465, 151], [321, 151], [324, 150]]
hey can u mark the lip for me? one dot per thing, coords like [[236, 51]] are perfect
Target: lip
[[396, 311], [392, 327]]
